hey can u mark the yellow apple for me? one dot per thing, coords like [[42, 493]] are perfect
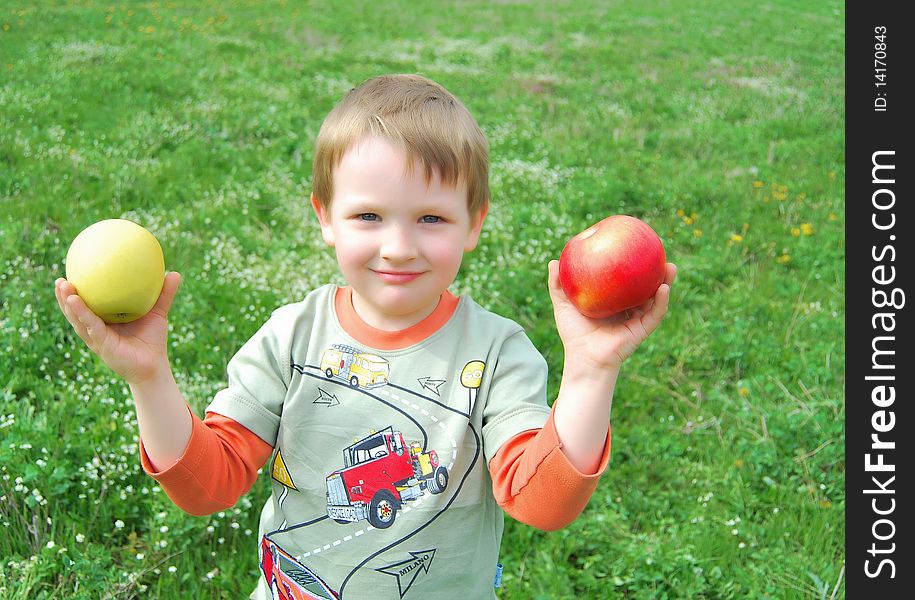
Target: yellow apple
[[117, 268]]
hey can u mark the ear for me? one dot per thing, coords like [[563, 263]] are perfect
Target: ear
[[323, 215], [476, 226]]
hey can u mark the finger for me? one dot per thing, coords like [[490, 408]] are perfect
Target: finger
[[79, 327], [653, 318], [96, 330], [670, 274], [64, 290], [553, 274], [556, 293], [169, 291], [57, 296], [61, 296]]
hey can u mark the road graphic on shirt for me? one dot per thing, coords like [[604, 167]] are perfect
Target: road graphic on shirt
[[284, 561]]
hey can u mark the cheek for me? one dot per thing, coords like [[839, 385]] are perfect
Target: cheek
[[352, 250], [445, 252]]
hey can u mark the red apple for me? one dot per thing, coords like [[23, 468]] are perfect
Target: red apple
[[615, 264]]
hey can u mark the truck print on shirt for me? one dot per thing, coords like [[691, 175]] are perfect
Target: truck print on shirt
[[380, 473], [354, 366]]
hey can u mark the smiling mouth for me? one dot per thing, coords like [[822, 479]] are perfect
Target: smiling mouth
[[398, 276]]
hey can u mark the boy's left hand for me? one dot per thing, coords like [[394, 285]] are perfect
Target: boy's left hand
[[606, 343]]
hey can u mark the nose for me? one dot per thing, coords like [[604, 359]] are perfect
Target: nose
[[398, 245]]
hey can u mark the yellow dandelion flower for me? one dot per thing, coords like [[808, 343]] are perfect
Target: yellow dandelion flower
[[693, 216], [806, 228], [688, 220], [697, 233], [150, 29], [833, 217], [758, 184], [738, 463], [783, 188], [744, 391], [680, 212], [736, 238], [766, 199], [6, 27], [796, 231], [784, 259], [825, 503], [779, 196], [832, 175]]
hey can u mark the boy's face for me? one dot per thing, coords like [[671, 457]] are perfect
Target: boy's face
[[399, 243]]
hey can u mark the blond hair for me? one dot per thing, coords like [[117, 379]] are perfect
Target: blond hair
[[413, 113]]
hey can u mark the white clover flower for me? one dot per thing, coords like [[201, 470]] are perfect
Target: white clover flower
[[80, 538], [119, 524]]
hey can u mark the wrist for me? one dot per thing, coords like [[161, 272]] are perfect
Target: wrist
[[588, 388], [587, 371], [155, 377]]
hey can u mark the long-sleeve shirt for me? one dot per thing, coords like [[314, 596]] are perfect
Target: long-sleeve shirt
[[390, 453]]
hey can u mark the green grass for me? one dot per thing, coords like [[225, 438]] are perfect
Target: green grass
[[720, 124]]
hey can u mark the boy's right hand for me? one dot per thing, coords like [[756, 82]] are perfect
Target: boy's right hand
[[136, 351]]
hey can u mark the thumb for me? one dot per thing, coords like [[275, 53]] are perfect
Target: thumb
[[169, 291], [556, 293]]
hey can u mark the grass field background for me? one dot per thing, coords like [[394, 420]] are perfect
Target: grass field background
[[721, 124]]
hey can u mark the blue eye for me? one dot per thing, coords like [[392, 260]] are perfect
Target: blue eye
[[369, 217], [431, 219]]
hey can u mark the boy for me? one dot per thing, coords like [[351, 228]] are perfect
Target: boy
[[397, 418]]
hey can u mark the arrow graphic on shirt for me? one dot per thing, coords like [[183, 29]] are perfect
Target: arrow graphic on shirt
[[326, 398], [409, 570], [431, 384]]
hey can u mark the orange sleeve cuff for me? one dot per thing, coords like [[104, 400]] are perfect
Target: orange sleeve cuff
[[534, 482], [219, 464]]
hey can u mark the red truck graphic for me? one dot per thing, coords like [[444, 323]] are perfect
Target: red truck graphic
[[380, 473]]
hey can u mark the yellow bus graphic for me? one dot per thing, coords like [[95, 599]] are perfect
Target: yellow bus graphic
[[354, 366]]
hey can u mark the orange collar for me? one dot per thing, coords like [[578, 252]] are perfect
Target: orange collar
[[391, 340]]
